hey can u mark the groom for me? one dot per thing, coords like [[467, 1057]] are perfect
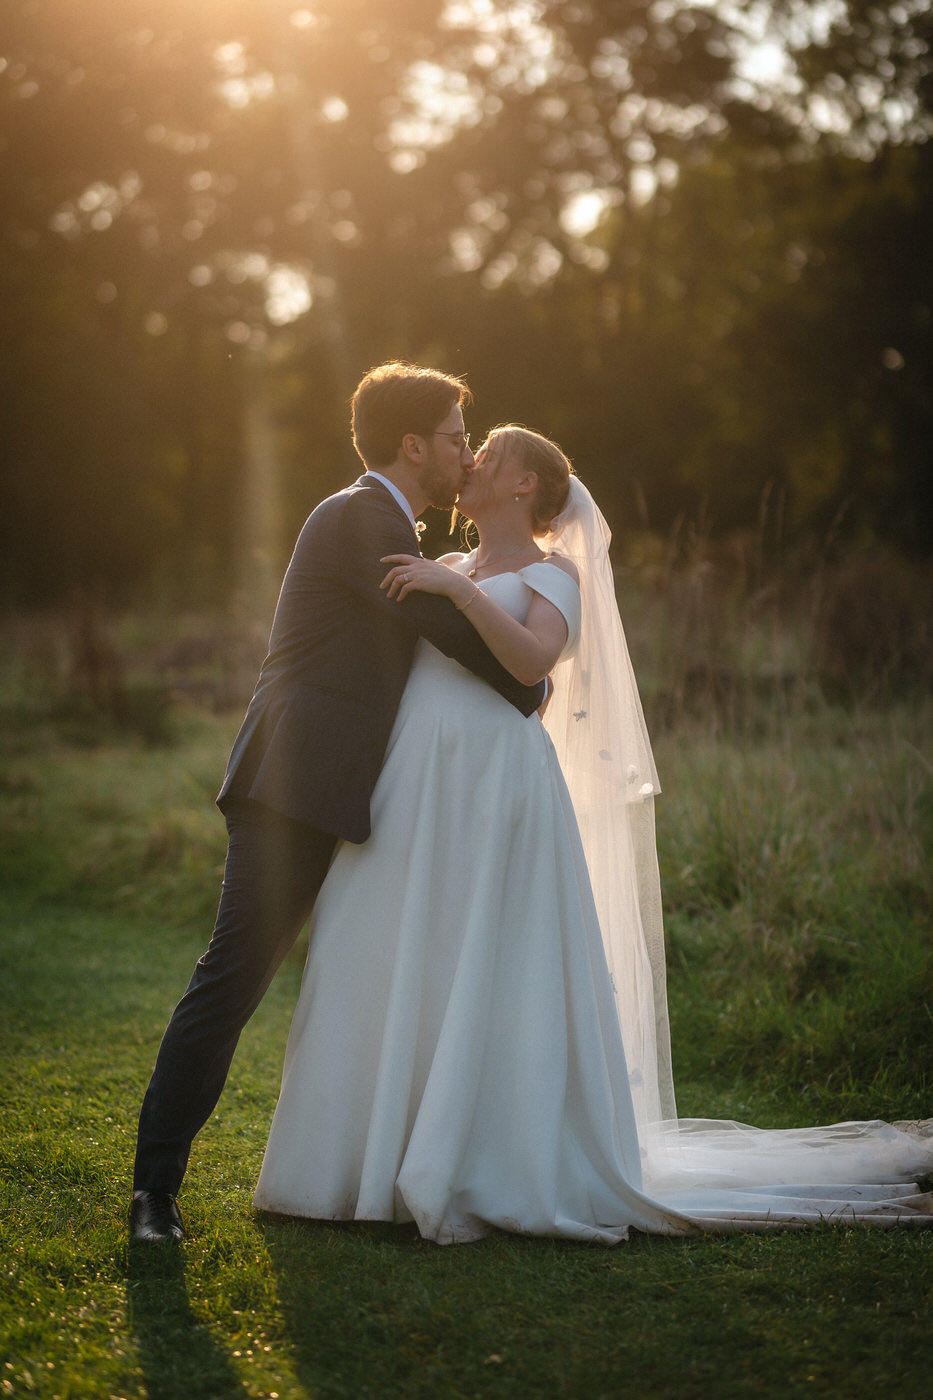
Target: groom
[[306, 760]]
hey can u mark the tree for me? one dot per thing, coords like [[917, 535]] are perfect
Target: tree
[[216, 216]]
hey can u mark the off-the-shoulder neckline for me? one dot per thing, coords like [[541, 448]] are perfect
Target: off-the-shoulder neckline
[[504, 573]]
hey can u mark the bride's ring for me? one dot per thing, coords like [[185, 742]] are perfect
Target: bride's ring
[[406, 578]]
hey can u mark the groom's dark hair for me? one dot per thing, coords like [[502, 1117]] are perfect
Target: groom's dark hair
[[398, 398]]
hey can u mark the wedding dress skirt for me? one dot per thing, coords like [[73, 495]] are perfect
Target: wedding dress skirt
[[455, 1057]]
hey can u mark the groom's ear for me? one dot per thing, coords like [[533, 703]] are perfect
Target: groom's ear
[[414, 447]]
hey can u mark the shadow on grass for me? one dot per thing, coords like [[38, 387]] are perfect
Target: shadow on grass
[[345, 1292], [373, 1312], [178, 1356]]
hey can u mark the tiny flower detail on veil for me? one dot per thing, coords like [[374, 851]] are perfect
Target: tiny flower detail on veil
[[420, 528], [579, 714]]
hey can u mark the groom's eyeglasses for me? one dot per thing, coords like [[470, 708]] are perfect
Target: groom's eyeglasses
[[462, 438]]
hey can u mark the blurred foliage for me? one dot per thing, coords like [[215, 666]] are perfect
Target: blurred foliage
[[215, 217]]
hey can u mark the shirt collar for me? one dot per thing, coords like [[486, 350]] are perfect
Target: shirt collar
[[396, 493]]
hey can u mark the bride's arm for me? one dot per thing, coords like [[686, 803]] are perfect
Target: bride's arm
[[527, 649]]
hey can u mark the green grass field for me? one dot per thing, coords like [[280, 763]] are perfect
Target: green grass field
[[795, 858]]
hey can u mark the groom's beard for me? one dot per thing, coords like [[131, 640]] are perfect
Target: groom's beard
[[440, 484]]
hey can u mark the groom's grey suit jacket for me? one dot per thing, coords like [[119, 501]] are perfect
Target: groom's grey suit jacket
[[315, 734]]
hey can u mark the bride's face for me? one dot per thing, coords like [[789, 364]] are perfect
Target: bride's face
[[490, 484]]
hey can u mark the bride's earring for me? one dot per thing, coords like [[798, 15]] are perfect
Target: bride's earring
[[516, 500]]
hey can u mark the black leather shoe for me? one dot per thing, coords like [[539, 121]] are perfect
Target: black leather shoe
[[155, 1216]]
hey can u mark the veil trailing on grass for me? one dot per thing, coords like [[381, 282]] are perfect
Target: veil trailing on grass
[[720, 1174]]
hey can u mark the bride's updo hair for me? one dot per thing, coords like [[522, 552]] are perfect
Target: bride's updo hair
[[553, 469]]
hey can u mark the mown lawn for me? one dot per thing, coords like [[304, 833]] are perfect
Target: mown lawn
[[797, 879]]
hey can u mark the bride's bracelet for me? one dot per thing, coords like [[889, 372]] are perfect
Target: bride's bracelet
[[471, 599]]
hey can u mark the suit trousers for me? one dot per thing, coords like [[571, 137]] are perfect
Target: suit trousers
[[274, 869]]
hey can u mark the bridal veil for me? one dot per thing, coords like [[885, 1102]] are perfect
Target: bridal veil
[[722, 1173]]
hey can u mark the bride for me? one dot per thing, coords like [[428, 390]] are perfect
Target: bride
[[481, 1039]]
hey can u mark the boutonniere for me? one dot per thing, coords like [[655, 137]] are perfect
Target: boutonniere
[[420, 528]]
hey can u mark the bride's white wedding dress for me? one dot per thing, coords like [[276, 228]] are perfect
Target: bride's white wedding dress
[[480, 1042]]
